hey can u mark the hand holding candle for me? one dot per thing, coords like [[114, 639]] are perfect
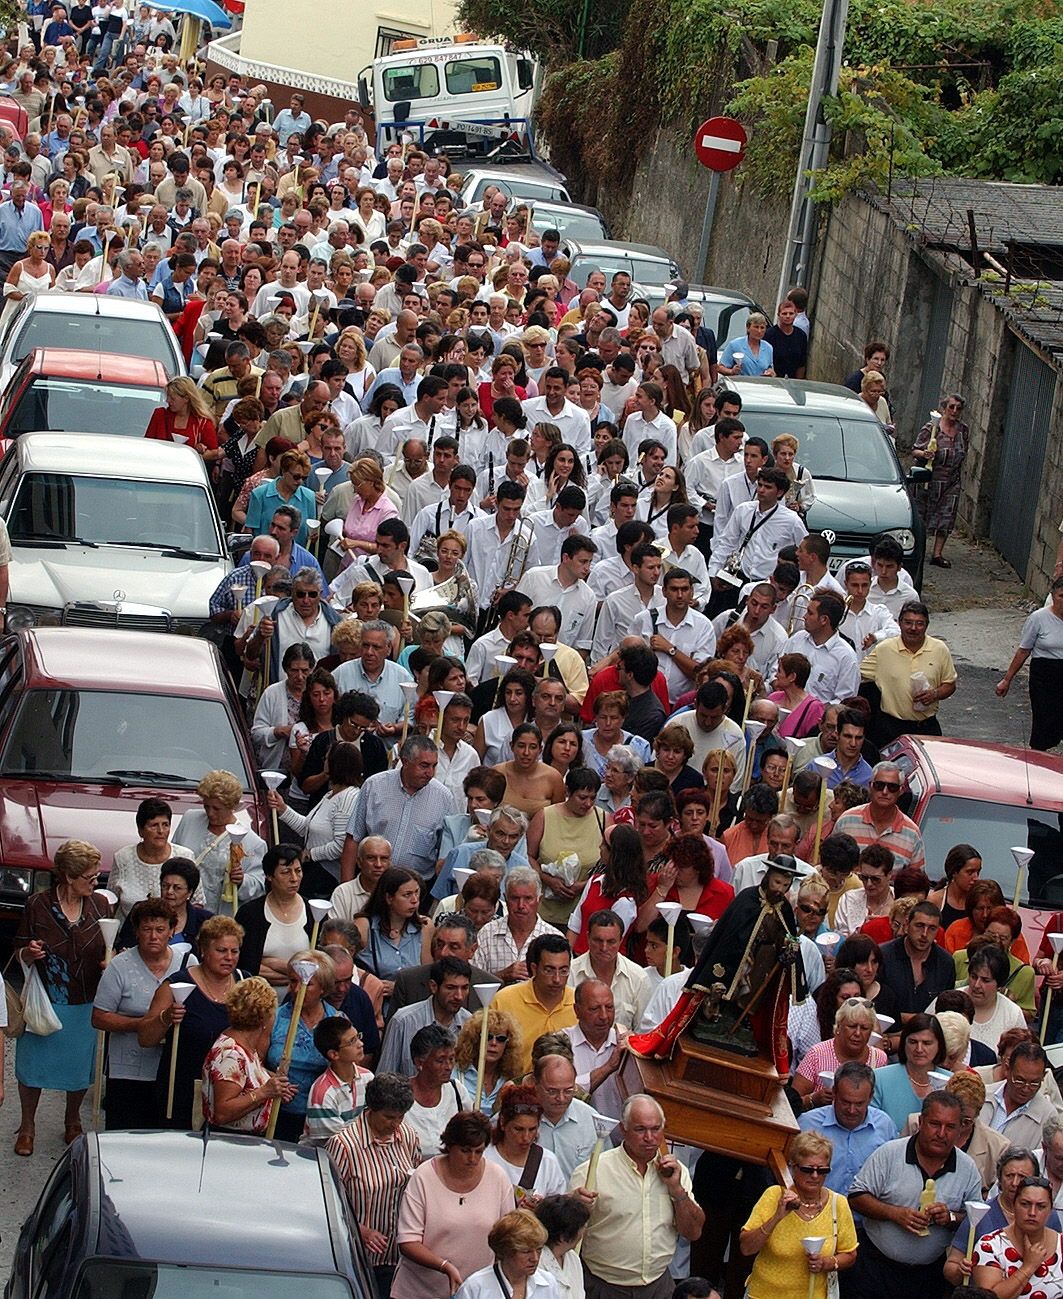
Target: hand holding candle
[[273, 780], [234, 876], [1023, 857], [823, 767], [603, 1126], [109, 928], [976, 1211], [181, 992], [669, 913], [305, 971]]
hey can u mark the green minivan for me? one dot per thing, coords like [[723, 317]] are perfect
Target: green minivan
[[861, 489]]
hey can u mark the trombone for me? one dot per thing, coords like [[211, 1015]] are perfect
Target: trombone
[[805, 591]]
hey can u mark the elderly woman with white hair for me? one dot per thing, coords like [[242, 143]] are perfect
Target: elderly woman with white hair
[[854, 1022], [622, 765]]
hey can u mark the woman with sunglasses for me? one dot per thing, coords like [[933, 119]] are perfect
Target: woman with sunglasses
[[854, 1022], [874, 870], [515, 1148], [783, 1217], [811, 909], [812, 1020], [900, 1089], [502, 1062]]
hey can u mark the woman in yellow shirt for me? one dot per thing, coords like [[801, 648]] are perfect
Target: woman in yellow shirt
[[782, 1218]]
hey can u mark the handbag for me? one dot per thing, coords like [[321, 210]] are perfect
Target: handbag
[[37, 1009], [16, 1020]]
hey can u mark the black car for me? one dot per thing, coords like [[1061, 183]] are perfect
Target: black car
[[174, 1215]]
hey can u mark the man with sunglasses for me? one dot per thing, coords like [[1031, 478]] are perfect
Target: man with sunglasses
[[914, 672], [903, 1243], [882, 821]]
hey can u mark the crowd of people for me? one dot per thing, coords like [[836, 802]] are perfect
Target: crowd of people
[[540, 641]]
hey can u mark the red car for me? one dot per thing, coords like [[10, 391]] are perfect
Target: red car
[[91, 722], [60, 390], [995, 797]]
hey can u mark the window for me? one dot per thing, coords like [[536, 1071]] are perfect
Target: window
[[80, 406], [126, 336], [416, 81], [117, 1279], [67, 508], [845, 450], [52, 1237], [473, 76], [105, 736]]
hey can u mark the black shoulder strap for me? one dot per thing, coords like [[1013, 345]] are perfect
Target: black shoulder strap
[[457, 1094]]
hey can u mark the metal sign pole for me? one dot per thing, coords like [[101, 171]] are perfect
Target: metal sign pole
[[706, 226]]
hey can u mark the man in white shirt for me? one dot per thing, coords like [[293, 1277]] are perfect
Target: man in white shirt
[[648, 421], [682, 523], [623, 501], [287, 281], [621, 607], [681, 637], [618, 302], [426, 418], [430, 488], [554, 527], [513, 610], [707, 470], [499, 546], [891, 586], [767, 632], [835, 666], [710, 727], [454, 509], [597, 1046], [566, 587], [619, 384], [614, 569], [865, 624], [603, 962], [555, 408], [754, 535], [738, 489], [813, 551]]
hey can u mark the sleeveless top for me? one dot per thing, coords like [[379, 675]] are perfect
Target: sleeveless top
[[563, 835], [498, 731]]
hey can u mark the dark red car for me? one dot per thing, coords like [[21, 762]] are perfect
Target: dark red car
[[91, 722]]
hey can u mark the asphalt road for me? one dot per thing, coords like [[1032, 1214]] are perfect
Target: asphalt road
[[978, 606]]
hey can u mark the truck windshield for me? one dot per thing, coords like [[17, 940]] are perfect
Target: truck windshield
[[107, 736], [115, 1278], [114, 512], [473, 76]]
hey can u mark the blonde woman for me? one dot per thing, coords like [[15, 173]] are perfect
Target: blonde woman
[[204, 831], [30, 274], [371, 506], [239, 1092], [187, 418], [350, 349], [450, 553], [505, 1048], [802, 495]]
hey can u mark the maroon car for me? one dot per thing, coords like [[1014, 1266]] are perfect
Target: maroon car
[[91, 722]]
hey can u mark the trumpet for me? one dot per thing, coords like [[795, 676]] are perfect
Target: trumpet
[[806, 591]]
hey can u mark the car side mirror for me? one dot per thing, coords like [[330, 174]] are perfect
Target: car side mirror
[[920, 474]]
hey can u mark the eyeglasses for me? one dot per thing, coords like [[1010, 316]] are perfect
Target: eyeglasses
[[1025, 1084], [299, 478], [894, 786], [870, 879], [859, 1001], [812, 1170], [499, 1037], [308, 595], [811, 911], [559, 1093]]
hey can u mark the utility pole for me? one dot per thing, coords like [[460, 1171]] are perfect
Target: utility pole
[[815, 143]]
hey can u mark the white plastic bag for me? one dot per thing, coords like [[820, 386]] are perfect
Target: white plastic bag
[[37, 1009]]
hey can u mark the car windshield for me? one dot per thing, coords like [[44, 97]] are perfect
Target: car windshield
[[83, 406], [61, 508], [832, 446], [119, 1279], [107, 736], [122, 335], [570, 225], [994, 829]]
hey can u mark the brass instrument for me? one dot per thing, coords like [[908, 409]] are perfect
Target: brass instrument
[[517, 561], [805, 590], [490, 473], [445, 598]]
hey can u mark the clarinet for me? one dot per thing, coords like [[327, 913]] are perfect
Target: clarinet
[[490, 473]]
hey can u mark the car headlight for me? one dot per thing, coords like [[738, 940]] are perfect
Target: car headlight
[[15, 880], [904, 537], [19, 618]]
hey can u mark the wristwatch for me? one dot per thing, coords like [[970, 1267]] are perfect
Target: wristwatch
[[671, 651]]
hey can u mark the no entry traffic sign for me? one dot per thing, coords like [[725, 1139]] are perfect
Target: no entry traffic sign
[[720, 143]]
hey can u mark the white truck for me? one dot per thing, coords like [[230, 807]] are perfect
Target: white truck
[[455, 95]]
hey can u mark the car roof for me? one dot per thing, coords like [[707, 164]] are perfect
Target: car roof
[[95, 304], [793, 395], [110, 659], [713, 293], [617, 248], [220, 1201], [110, 455], [104, 367], [996, 773], [536, 171], [554, 205]]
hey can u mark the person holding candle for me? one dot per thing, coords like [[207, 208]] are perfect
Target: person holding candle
[[640, 1207], [239, 1092], [277, 924], [1014, 1165], [122, 1000], [450, 1205], [502, 1061], [204, 832], [1039, 1261], [59, 936], [306, 1060], [783, 1218], [854, 1022]]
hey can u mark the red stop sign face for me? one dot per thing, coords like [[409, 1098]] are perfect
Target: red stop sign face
[[720, 143]]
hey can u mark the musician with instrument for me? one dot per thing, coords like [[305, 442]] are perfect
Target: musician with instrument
[[747, 545], [499, 548], [565, 585], [498, 469], [623, 605]]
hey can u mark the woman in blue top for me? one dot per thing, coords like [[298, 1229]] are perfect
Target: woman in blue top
[[900, 1089], [750, 356], [307, 1062], [394, 934]]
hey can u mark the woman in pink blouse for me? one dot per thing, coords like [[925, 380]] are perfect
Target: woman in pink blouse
[[371, 506]]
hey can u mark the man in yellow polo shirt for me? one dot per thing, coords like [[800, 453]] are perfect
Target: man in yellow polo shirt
[[544, 1003], [909, 707]]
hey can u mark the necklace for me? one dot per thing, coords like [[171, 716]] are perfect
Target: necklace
[[809, 1209]]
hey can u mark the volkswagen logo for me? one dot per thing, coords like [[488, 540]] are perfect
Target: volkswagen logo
[[827, 535], [120, 594]]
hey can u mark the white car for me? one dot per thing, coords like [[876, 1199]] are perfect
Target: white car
[[91, 322], [109, 531]]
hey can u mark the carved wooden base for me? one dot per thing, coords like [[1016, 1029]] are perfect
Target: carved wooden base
[[717, 1101]]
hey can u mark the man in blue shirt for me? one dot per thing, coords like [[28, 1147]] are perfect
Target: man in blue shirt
[[130, 281], [854, 1127], [848, 753], [292, 120], [58, 27], [18, 220], [283, 527]]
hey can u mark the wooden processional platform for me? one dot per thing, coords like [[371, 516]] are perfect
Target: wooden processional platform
[[719, 1101]]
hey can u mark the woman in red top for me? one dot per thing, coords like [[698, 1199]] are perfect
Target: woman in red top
[[503, 384], [621, 885], [185, 418], [688, 878]]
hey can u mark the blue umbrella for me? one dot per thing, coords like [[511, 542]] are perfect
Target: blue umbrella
[[207, 10]]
